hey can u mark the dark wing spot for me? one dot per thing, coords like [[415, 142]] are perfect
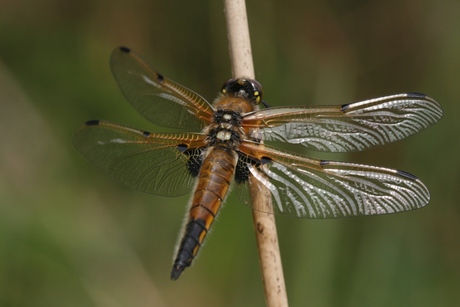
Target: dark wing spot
[[146, 134], [265, 160], [160, 77], [407, 175], [416, 95], [194, 161], [241, 171], [92, 123], [125, 49], [242, 167], [182, 147], [324, 162], [345, 107]]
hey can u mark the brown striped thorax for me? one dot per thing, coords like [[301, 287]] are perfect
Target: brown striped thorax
[[212, 148]]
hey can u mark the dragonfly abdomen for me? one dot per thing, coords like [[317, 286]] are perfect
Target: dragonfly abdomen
[[214, 180]]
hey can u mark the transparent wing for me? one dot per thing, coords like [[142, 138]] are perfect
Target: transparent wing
[[152, 163], [349, 127], [309, 188], [160, 100]]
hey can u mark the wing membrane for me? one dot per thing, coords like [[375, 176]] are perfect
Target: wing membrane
[[350, 127], [310, 188], [160, 100], [148, 162]]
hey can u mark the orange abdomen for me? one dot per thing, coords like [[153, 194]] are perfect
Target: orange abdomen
[[214, 180]]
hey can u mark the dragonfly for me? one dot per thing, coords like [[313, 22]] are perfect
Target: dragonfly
[[215, 147]]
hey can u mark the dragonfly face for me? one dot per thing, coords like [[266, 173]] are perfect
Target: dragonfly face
[[232, 140]]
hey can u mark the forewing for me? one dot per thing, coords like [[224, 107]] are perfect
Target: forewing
[[309, 188], [349, 127], [151, 163], [160, 100]]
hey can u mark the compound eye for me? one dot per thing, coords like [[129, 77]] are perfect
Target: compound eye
[[257, 90], [228, 85], [246, 88]]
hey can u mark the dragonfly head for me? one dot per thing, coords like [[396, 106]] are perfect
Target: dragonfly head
[[248, 89]]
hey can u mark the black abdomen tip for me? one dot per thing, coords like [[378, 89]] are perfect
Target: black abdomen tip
[[176, 271]]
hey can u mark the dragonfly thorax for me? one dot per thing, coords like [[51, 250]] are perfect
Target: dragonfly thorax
[[227, 118], [226, 127], [224, 135]]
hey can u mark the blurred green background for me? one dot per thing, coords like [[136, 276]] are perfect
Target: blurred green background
[[72, 236]]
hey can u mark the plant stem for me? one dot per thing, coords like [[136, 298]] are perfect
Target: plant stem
[[264, 223]]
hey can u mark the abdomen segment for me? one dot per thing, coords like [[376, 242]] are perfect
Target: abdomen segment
[[214, 180]]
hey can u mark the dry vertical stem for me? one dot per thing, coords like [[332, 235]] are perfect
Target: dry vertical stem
[[238, 39], [265, 227]]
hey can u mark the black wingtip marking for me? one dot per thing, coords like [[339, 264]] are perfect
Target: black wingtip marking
[[416, 95], [407, 175], [92, 123], [125, 49]]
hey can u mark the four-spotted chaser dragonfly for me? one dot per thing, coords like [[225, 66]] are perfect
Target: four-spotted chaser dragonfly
[[233, 139]]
